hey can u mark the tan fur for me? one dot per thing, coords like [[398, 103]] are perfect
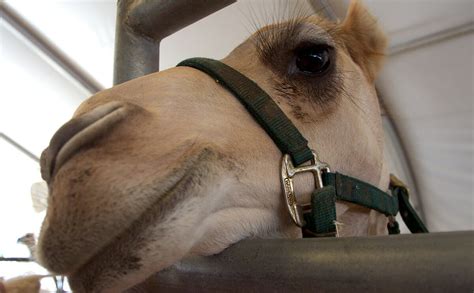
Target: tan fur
[[186, 170]]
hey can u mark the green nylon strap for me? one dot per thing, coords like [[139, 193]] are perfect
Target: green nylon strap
[[263, 109], [356, 191], [321, 220], [408, 213]]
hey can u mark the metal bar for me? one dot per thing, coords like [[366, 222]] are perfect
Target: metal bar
[[436, 262], [439, 36], [19, 147], [142, 24], [48, 48], [16, 259], [336, 9]]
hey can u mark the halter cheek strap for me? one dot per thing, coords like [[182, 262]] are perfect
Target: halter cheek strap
[[319, 217]]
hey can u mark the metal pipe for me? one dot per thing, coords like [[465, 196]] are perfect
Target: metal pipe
[[19, 147], [438, 36], [436, 262], [142, 24], [16, 259], [48, 48], [336, 9]]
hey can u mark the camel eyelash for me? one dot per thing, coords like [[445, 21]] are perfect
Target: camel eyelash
[[271, 41]]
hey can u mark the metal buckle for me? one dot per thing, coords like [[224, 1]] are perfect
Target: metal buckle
[[288, 171]]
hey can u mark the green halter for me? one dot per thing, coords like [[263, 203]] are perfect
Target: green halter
[[318, 219]]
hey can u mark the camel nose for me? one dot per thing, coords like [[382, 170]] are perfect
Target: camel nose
[[78, 132]]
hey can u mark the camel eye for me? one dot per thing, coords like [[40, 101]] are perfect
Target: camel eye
[[312, 59]]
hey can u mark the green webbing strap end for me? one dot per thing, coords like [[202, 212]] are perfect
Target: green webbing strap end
[[393, 227], [322, 218], [408, 213]]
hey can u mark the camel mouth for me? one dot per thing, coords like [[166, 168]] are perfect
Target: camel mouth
[[104, 272], [77, 133], [117, 264]]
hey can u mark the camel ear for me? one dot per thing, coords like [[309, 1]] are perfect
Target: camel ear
[[364, 39]]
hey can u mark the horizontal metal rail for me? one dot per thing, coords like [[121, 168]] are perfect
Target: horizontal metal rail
[[436, 37], [435, 262], [142, 24], [16, 259]]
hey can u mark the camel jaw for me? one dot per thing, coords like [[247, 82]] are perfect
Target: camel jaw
[[150, 244], [161, 235]]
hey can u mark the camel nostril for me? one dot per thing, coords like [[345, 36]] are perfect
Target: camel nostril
[[77, 132]]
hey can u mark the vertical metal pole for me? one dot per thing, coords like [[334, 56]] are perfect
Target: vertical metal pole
[[135, 55], [142, 24]]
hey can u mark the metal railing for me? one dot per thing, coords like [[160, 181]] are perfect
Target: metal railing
[[436, 262]]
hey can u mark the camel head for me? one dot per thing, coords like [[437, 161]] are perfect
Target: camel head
[[171, 164]]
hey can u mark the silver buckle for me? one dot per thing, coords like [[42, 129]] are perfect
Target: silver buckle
[[288, 171]]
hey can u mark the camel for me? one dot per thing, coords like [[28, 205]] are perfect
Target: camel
[[171, 164]]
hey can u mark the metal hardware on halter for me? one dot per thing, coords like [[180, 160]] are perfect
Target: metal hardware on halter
[[288, 171]]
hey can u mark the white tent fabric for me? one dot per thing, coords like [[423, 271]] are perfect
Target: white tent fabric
[[428, 92]]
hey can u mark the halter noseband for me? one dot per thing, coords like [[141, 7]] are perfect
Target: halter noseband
[[319, 217]]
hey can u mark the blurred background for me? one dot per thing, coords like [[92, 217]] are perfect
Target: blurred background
[[426, 87]]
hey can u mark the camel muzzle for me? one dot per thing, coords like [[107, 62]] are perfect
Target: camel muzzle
[[78, 132]]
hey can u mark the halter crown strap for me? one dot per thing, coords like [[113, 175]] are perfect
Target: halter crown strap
[[263, 109], [321, 220]]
